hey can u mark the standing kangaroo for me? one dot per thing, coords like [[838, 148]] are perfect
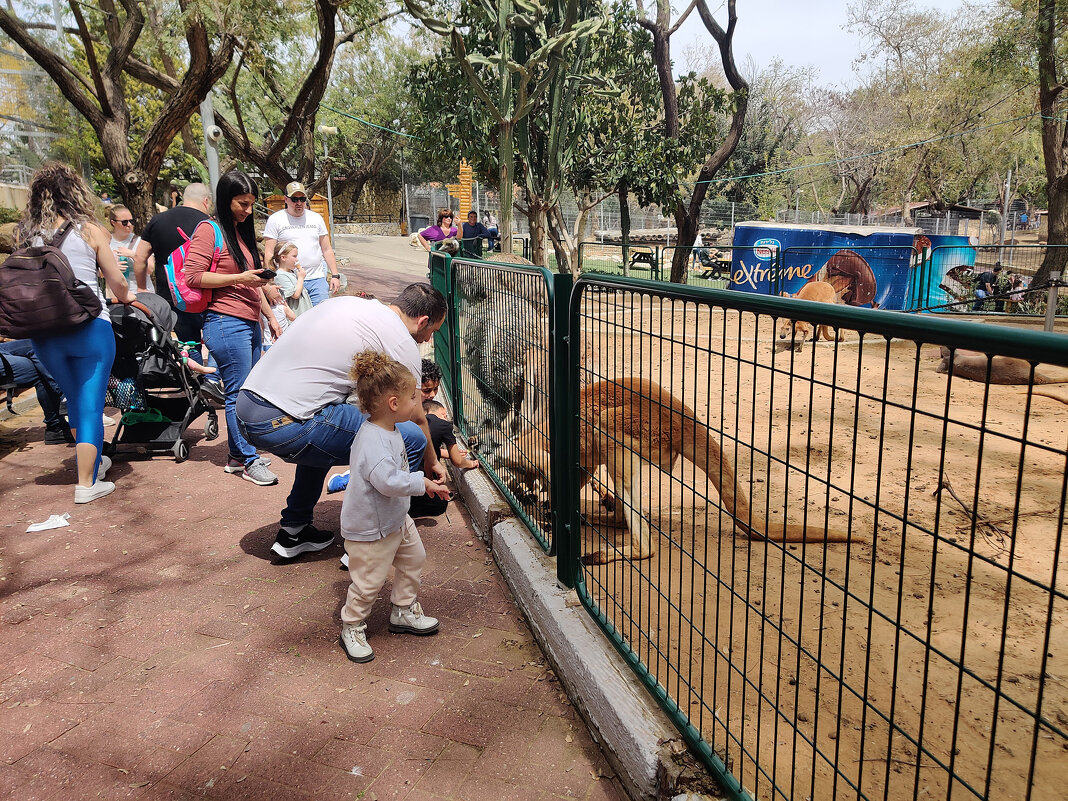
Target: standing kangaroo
[[820, 292], [631, 420]]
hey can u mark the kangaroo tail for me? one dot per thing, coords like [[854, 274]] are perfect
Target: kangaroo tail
[[1062, 396], [701, 448]]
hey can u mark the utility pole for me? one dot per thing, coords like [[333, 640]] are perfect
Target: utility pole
[[1004, 215], [212, 135], [328, 131]]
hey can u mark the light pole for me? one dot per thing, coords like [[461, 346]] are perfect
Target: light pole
[[797, 205], [327, 131]]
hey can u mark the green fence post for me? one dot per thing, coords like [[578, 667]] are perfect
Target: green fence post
[[566, 542], [446, 339]]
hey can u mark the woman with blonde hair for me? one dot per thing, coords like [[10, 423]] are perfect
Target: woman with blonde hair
[[79, 358]]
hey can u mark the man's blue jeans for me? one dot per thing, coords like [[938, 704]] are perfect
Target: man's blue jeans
[[313, 445], [318, 290], [236, 345], [29, 372]]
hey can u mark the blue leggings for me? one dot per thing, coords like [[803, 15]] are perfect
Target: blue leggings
[[80, 362]]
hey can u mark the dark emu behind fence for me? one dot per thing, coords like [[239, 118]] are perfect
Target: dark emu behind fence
[[909, 639]]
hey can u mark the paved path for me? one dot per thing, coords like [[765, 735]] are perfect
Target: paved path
[[154, 649]]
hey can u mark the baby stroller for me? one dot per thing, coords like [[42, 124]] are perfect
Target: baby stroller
[[159, 396]]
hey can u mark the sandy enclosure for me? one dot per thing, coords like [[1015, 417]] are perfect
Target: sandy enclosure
[[907, 664]]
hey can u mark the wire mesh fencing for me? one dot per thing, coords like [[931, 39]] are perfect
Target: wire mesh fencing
[[503, 368], [908, 639]]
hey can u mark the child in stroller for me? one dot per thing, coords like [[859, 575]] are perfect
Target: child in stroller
[[159, 390]]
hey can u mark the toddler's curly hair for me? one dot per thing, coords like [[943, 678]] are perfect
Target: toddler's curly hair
[[378, 376]]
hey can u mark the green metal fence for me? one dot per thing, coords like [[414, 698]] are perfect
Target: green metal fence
[[498, 336], [922, 652]]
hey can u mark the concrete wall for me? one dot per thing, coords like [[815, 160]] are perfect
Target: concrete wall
[[13, 196]]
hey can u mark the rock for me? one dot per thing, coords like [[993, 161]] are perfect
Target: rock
[[7, 238]]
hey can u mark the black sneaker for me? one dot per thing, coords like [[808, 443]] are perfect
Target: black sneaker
[[308, 539], [59, 436]]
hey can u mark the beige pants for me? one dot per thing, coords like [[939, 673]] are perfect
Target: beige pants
[[369, 564]]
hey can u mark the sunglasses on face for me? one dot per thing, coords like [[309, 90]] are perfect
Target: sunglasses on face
[[123, 222], [299, 199], [447, 217]]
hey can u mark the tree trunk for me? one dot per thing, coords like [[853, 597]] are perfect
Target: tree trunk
[[506, 188], [624, 223], [563, 244], [539, 230], [1054, 144]]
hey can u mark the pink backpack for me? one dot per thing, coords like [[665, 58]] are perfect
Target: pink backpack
[[187, 298]]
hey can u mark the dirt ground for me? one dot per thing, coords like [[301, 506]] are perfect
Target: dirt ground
[[908, 663]]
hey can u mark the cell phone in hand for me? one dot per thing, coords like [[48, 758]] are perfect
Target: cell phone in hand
[[267, 275]]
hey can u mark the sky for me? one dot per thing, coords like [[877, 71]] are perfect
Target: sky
[[799, 32]]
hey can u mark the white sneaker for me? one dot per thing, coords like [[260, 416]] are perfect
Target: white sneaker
[[105, 465], [98, 490], [108, 421], [411, 620], [354, 642], [345, 561]]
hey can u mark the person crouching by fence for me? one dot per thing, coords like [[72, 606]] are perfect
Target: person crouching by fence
[[379, 533]]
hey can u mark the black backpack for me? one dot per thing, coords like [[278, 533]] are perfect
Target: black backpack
[[39, 293]]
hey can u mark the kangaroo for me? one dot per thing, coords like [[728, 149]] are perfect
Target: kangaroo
[[821, 292], [631, 420]]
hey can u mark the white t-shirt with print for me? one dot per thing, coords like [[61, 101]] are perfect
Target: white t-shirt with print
[[304, 232]]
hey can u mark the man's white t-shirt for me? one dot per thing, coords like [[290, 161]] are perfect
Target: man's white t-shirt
[[304, 232], [308, 368]]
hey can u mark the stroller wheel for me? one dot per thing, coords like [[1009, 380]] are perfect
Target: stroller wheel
[[180, 451], [211, 427]]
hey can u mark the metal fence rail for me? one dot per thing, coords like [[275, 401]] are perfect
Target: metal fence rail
[[925, 658]]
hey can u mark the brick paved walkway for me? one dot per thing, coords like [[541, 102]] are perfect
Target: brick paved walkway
[[152, 649]]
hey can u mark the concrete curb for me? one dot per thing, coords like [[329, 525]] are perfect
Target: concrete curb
[[22, 404], [631, 729]]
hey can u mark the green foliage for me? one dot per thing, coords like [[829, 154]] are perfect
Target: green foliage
[[9, 215]]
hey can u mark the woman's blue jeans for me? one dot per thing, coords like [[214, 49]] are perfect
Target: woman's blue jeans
[[314, 446], [236, 346]]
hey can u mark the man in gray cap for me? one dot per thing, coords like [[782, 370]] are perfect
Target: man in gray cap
[[306, 229]]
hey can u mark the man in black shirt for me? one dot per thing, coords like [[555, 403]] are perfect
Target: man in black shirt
[[984, 288], [161, 237]]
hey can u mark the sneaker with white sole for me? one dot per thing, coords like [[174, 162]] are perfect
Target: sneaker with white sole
[[238, 465], [306, 540], [102, 469], [98, 490], [258, 473], [354, 642], [411, 620]]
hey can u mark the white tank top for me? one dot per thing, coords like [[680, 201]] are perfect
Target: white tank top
[[82, 260]]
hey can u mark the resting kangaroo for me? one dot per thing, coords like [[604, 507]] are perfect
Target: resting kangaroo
[[631, 420], [819, 291]]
